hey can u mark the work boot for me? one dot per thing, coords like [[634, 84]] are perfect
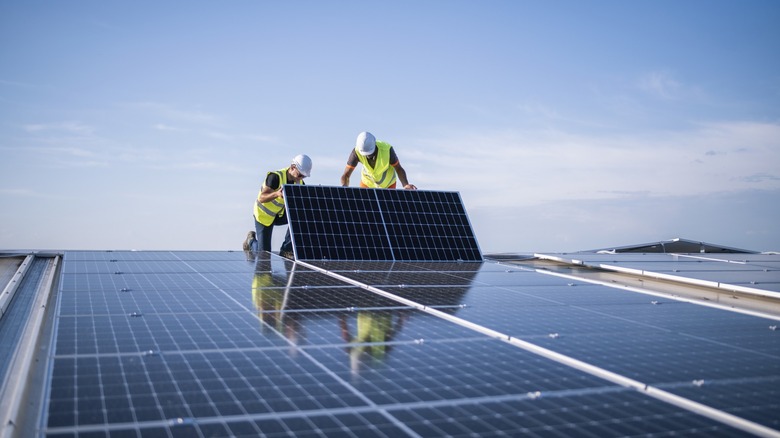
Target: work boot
[[251, 237]]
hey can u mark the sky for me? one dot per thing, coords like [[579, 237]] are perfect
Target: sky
[[564, 125]]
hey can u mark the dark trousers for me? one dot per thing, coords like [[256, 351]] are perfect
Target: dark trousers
[[264, 234]]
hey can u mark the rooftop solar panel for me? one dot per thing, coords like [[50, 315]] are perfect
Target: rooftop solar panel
[[253, 344], [347, 223], [757, 273]]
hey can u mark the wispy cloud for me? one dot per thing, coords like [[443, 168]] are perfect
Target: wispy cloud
[[219, 135], [193, 122], [74, 144], [22, 192], [62, 144], [62, 127], [661, 84], [172, 113], [532, 167], [164, 127], [58, 151], [215, 166], [261, 138], [759, 178]]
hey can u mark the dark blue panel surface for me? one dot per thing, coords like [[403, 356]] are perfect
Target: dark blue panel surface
[[206, 344], [343, 223]]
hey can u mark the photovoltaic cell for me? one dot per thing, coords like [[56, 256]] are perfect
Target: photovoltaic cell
[[347, 223]]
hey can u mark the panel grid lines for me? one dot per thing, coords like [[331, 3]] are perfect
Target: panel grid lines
[[347, 223], [267, 347]]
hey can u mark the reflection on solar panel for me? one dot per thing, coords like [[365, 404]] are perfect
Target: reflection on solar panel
[[343, 223], [214, 344]]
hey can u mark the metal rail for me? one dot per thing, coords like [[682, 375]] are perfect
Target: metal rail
[[16, 383]]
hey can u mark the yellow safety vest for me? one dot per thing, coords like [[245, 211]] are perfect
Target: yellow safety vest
[[382, 175], [266, 212]]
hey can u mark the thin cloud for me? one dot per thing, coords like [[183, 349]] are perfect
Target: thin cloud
[[19, 192], [164, 127], [660, 84], [71, 151], [759, 177], [219, 135], [541, 114], [261, 138], [169, 112], [212, 166], [66, 127], [532, 167], [84, 163]]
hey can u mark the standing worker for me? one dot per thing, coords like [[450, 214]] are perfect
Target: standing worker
[[380, 164], [269, 206]]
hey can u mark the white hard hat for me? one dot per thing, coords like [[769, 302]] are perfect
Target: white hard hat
[[366, 143], [303, 164]]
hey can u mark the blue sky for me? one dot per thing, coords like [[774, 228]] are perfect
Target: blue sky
[[565, 125]]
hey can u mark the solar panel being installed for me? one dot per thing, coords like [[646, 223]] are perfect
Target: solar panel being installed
[[213, 344], [347, 223]]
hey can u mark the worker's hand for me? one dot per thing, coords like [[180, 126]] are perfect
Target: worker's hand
[[280, 193], [410, 187]]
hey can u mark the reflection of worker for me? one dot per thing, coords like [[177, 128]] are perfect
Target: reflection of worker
[[269, 205], [374, 330], [380, 164], [269, 296]]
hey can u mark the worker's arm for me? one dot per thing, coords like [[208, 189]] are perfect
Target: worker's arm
[[345, 177], [402, 177], [268, 194]]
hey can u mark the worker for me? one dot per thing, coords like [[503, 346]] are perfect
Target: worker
[[269, 206], [380, 164]]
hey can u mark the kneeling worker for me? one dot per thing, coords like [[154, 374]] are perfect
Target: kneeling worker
[[380, 164], [269, 206]]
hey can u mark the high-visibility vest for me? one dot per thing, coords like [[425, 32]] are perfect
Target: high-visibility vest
[[266, 212], [382, 175]]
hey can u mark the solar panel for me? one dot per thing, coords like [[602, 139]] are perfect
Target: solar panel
[[757, 272], [348, 223], [228, 343]]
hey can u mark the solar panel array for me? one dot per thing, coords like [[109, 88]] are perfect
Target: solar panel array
[[757, 272], [348, 223], [246, 344]]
